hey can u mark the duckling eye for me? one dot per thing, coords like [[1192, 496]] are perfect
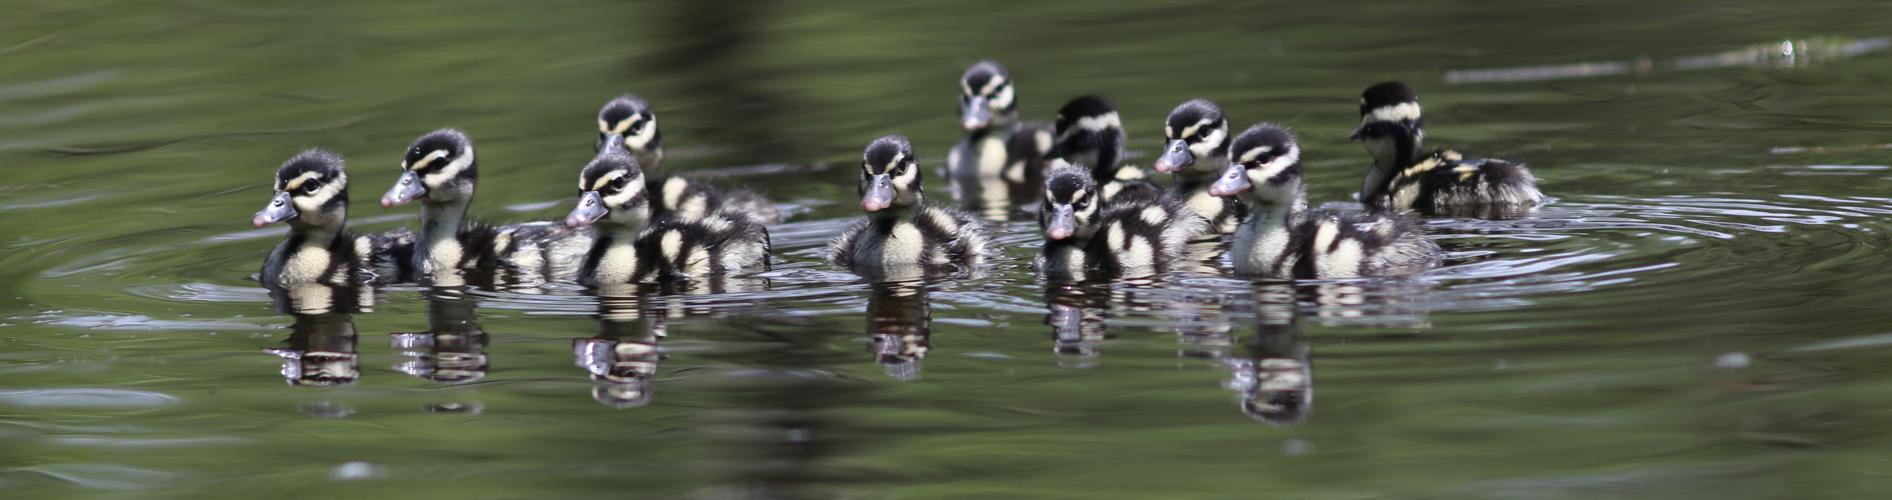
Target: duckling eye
[[308, 188]]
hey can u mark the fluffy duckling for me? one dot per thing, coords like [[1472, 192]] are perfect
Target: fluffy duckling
[[1090, 134], [312, 197], [901, 230], [1196, 151], [631, 247], [1139, 235], [999, 162], [627, 123], [440, 169], [1281, 239], [1442, 182]]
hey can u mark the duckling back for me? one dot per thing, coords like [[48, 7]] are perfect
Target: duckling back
[[932, 236], [1353, 245], [716, 244], [1447, 183]]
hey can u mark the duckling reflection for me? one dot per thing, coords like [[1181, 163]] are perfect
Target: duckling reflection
[[1274, 379], [1204, 329], [1077, 310], [453, 349], [623, 357], [900, 322], [320, 350]]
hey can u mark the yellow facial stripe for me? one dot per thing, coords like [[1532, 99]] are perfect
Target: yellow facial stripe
[[297, 182], [429, 159], [613, 175], [623, 126]]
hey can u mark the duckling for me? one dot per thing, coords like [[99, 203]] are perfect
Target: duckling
[[1442, 182], [999, 162], [1140, 235], [312, 197], [901, 230], [1282, 239], [1090, 134], [440, 169], [624, 250], [1196, 151], [627, 123]]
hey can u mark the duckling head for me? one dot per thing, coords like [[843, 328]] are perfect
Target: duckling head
[[627, 122], [311, 192], [1070, 206], [890, 176], [1089, 132], [1264, 167], [1389, 112], [611, 192], [1197, 139], [438, 166], [986, 97]]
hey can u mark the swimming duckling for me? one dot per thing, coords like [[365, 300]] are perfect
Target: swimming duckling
[[1442, 182], [1139, 235], [631, 247], [627, 123], [1196, 152], [1090, 134], [440, 169], [900, 229], [999, 162], [312, 197], [1281, 239]]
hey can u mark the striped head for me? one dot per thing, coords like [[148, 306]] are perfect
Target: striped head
[[611, 192], [311, 192], [1264, 167], [1389, 115], [439, 166], [627, 122], [890, 176], [1196, 139], [986, 97], [1071, 205], [1089, 132]]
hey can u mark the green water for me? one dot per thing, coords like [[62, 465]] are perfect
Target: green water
[[1699, 313]]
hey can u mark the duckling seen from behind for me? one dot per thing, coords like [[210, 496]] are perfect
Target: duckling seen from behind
[[1090, 134], [1442, 182], [1282, 239], [901, 230]]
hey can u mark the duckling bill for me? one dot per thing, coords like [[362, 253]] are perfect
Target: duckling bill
[[1282, 239], [1442, 182]]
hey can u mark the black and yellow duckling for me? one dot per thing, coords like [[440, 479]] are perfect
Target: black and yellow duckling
[[1442, 182], [1000, 162], [629, 246], [1090, 134], [440, 169], [901, 231], [312, 197], [1129, 237], [1195, 150], [627, 123], [1282, 239]]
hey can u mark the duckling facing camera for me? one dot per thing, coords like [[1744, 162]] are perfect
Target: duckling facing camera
[[1442, 182], [631, 247], [440, 170], [1282, 239], [1195, 151], [311, 196], [901, 230], [628, 124], [1131, 237], [1000, 162], [1090, 134]]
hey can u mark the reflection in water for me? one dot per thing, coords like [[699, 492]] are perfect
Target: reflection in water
[[320, 350], [900, 323], [1077, 310], [453, 349], [1782, 54], [1274, 378], [623, 357]]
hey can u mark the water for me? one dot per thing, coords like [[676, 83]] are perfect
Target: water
[[1698, 313]]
